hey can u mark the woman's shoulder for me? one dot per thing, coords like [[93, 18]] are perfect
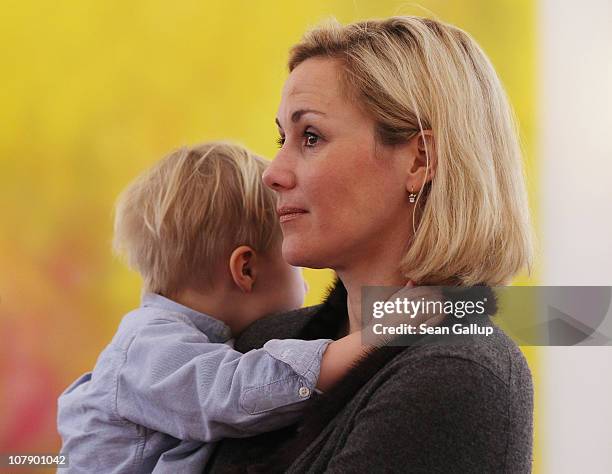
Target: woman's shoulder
[[481, 392], [471, 401], [492, 355]]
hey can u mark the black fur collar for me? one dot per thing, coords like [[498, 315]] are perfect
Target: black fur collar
[[331, 316]]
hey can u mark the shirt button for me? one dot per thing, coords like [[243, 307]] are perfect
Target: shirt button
[[304, 392]]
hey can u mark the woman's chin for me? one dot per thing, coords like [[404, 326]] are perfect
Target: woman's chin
[[293, 253], [297, 253]]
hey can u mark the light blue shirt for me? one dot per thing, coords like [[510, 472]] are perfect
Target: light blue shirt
[[168, 385]]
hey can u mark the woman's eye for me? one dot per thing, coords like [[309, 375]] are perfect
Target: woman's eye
[[310, 139], [280, 141]]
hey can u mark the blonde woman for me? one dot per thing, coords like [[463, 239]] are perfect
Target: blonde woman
[[398, 161]]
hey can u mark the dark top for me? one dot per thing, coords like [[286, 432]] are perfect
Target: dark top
[[464, 407]]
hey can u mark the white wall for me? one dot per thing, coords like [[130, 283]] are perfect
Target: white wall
[[575, 209]]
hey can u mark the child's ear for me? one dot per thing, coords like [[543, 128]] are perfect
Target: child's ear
[[242, 266]]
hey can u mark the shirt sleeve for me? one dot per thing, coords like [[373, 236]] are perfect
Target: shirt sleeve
[[175, 381]]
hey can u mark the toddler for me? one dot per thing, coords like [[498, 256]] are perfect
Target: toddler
[[202, 231]]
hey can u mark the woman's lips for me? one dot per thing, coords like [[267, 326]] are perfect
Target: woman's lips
[[289, 213]]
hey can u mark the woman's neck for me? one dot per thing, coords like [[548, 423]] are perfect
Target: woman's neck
[[376, 263], [354, 279]]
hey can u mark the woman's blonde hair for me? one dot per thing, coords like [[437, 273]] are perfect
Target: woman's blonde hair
[[190, 210], [412, 74]]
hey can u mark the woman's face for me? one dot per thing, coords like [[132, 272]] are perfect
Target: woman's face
[[341, 195]]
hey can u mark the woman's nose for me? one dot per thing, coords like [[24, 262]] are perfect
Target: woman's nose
[[278, 177]]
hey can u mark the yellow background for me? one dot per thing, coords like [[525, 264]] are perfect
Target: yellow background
[[92, 93]]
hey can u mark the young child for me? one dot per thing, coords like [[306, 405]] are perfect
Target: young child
[[202, 231]]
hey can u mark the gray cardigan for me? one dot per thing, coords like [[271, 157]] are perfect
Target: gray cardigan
[[427, 408]]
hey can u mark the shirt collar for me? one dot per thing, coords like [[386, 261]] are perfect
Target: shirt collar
[[217, 331]]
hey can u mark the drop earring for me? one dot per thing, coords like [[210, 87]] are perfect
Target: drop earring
[[412, 197]]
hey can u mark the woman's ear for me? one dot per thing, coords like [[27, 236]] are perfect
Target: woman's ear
[[424, 161], [243, 267]]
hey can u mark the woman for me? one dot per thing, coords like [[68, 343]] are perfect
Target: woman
[[399, 161]]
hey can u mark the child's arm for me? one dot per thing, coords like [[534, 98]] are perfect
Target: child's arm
[[175, 381], [339, 358]]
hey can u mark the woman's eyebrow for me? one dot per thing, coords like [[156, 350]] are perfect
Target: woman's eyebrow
[[297, 115]]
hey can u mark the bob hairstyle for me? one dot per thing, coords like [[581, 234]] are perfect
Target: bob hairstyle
[[411, 74], [177, 220]]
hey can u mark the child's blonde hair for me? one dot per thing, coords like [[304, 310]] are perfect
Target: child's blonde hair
[[177, 220]]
